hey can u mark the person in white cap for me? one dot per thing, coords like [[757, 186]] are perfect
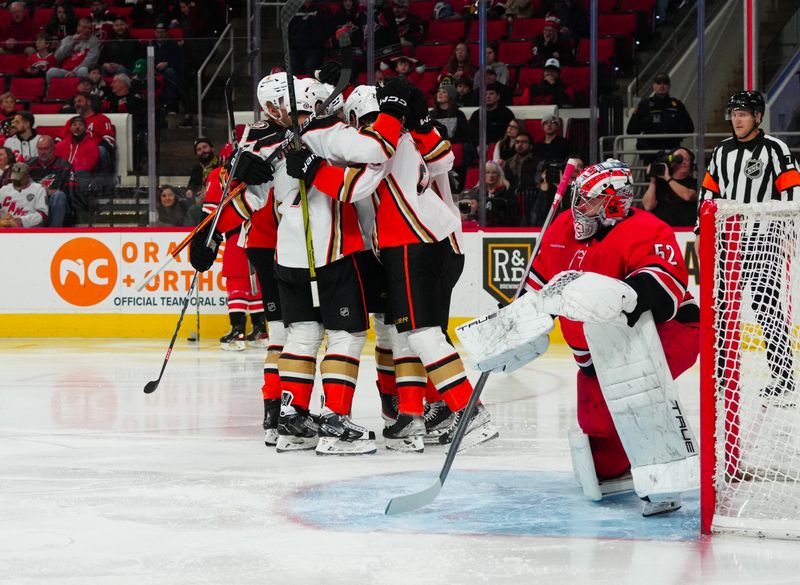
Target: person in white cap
[[23, 203], [550, 90]]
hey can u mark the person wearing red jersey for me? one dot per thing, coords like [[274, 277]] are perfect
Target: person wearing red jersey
[[98, 128], [606, 267], [414, 227], [78, 149], [42, 58]]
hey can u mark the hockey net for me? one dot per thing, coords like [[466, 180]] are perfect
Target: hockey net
[[750, 412]]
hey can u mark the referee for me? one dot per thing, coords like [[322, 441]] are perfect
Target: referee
[[752, 167]]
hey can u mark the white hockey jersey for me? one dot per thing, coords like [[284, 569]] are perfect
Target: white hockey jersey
[[28, 205]]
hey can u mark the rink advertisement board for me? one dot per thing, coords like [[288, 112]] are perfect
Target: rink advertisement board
[[83, 282]]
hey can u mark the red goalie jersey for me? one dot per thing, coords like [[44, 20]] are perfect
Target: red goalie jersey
[[640, 250]]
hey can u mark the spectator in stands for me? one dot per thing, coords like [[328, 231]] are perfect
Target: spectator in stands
[[572, 14], [506, 93], [24, 203], [100, 88], [99, 129], [102, 20], [170, 212], [500, 69], [198, 26], [20, 33], [64, 23], [351, 15], [403, 65], [8, 105], [42, 58], [143, 14], [7, 160], [124, 101], [168, 59], [121, 50], [660, 114], [497, 116], [504, 148], [672, 193], [550, 173], [550, 90], [460, 64], [553, 147], [410, 29], [76, 53], [548, 45], [207, 161], [465, 97], [56, 176], [308, 31], [500, 205], [80, 151], [520, 170], [446, 112], [23, 142], [518, 9]]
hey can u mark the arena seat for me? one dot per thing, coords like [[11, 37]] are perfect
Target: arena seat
[[515, 52], [62, 89], [529, 76], [27, 88], [495, 30], [11, 63], [434, 55], [534, 128], [605, 51], [526, 28], [445, 31], [46, 108], [422, 8]]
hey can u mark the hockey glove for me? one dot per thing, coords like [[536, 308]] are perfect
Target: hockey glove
[[420, 116], [394, 97], [303, 164], [201, 256], [328, 73], [252, 169]]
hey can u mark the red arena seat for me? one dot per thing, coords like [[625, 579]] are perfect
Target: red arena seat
[[434, 55], [46, 108], [526, 28], [445, 31], [62, 88], [528, 76], [495, 30], [11, 63], [515, 52], [422, 8], [27, 88], [605, 50]]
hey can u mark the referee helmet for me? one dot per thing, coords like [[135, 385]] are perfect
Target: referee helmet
[[750, 101]]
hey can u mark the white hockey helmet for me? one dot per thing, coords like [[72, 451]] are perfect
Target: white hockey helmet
[[602, 196], [310, 93], [271, 89], [361, 101]]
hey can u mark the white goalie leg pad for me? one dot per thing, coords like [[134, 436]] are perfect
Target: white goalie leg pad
[[508, 338], [583, 467], [643, 400], [587, 297]]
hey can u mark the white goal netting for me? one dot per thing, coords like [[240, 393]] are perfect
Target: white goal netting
[[756, 477]]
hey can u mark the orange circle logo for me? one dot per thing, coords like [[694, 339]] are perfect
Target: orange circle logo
[[83, 272]]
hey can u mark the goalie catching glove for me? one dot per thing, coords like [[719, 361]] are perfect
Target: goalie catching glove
[[303, 164], [252, 169], [201, 256], [588, 297]]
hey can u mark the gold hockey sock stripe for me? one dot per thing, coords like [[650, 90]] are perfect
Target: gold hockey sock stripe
[[446, 370]]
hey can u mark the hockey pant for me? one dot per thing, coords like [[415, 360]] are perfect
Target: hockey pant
[[681, 344]]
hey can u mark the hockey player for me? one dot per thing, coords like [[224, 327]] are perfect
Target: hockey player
[[752, 167], [629, 265], [413, 228]]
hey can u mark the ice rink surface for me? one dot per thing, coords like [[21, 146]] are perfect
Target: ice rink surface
[[100, 483]]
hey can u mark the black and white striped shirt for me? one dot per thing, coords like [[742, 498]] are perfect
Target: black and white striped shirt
[[762, 169]]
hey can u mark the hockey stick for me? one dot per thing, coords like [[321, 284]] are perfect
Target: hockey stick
[[151, 386], [228, 195], [235, 74], [410, 502]]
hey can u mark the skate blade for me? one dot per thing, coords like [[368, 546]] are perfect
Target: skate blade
[[235, 346], [479, 436], [658, 508], [333, 446], [406, 445], [289, 443], [432, 438], [271, 437]]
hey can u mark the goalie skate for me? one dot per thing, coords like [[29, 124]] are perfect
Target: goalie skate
[[338, 435], [405, 434], [480, 429], [297, 430], [272, 409], [778, 395], [438, 418], [664, 507]]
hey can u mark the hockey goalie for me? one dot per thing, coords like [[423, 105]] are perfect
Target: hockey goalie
[[617, 281]]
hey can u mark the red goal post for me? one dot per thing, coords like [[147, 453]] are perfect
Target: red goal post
[[749, 415]]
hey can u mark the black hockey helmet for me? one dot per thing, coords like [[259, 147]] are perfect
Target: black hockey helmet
[[752, 101]]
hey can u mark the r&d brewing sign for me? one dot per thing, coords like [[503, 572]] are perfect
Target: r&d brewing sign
[[504, 264]]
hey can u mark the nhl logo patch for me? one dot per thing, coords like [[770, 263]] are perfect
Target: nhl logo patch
[[29, 196], [753, 168]]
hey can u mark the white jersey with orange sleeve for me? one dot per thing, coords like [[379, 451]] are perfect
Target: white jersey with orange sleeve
[[639, 248]]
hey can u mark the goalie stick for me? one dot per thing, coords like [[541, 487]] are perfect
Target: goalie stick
[[410, 502], [151, 386]]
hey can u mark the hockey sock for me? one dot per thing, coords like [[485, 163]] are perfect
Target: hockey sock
[[257, 318], [339, 369], [431, 393], [443, 365], [384, 360], [238, 319], [272, 382], [238, 294], [410, 385], [298, 361]]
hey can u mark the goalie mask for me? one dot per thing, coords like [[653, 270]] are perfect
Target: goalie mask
[[361, 102], [270, 91], [602, 196]]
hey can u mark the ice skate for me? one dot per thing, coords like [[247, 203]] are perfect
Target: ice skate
[[438, 418], [389, 409], [780, 394], [480, 429], [405, 434], [258, 337], [272, 410], [662, 507], [234, 340], [297, 430], [338, 435]]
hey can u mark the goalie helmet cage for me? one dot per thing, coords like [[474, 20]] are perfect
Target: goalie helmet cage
[[750, 437]]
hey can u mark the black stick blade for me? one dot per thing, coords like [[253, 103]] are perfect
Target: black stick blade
[[151, 386]]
